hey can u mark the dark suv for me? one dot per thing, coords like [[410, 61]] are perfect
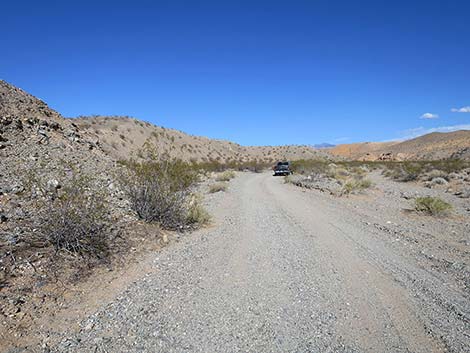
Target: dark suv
[[282, 168]]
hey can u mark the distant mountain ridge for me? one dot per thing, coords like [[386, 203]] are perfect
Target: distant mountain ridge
[[324, 145], [433, 146]]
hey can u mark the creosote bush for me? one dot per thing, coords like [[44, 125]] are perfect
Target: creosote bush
[[75, 218], [160, 190], [433, 206]]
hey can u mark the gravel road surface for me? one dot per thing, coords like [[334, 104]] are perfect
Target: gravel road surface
[[280, 270]]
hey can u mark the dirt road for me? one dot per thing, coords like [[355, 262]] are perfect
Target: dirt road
[[281, 270]]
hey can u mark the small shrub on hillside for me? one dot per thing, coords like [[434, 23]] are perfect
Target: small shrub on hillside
[[433, 206], [225, 176], [217, 187], [75, 219]]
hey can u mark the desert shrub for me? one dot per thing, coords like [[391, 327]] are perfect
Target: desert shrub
[[122, 137], [405, 171], [114, 128], [427, 170], [356, 185], [339, 173], [197, 214], [75, 218], [160, 190], [254, 166], [217, 187], [225, 176], [433, 206], [309, 166], [436, 173]]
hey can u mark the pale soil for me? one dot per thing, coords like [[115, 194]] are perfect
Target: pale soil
[[284, 269]]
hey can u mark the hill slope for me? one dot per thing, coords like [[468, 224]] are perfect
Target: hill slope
[[40, 147], [434, 146], [358, 150], [122, 137]]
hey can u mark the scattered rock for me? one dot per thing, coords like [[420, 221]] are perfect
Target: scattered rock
[[53, 185], [439, 181]]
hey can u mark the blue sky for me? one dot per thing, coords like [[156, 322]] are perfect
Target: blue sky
[[255, 72]]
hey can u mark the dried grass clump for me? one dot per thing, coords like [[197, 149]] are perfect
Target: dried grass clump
[[225, 176], [197, 214], [356, 185], [217, 187]]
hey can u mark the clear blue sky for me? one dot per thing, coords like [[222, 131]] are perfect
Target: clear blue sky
[[255, 72]]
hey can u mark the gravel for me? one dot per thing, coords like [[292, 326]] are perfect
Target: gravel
[[283, 270]]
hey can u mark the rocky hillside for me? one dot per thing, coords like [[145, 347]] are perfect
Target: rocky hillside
[[15, 102], [358, 150], [122, 137], [40, 151], [434, 146]]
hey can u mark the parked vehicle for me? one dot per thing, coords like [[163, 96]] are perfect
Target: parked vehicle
[[282, 168]]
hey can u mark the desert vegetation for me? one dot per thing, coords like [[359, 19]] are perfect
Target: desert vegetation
[[433, 206], [73, 218], [421, 170], [225, 176], [162, 190], [217, 187], [339, 178]]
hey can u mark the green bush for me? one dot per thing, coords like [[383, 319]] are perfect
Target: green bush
[[433, 206]]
